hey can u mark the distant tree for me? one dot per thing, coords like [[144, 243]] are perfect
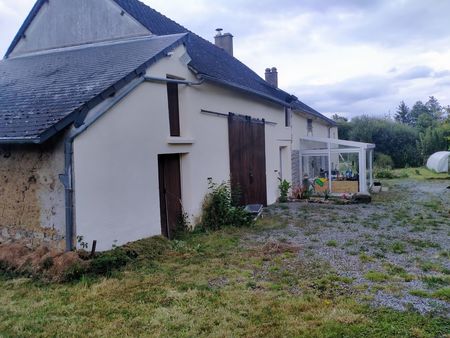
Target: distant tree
[[424, 122], [403, 113], [418, 109], [344, 126], [433, 140], [396, 140], [446, 112], [339, 118], [434, 108]]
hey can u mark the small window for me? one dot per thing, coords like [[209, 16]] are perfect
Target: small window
[[310, 127], [287, 117], [174, 109]]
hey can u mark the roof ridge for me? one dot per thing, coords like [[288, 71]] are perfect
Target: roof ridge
[[94, 45], [263, 81]]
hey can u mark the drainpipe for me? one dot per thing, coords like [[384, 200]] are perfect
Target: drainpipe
[[67, 177], [94, 115]]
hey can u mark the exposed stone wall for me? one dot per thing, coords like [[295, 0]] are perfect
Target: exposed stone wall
[[31, 195], [296, 179]]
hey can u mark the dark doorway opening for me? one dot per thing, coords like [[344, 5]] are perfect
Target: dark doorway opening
[[170, 193]]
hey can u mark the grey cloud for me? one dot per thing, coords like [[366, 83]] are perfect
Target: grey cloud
[[396, 23], [375, 95], [442, 73], [416, 73]]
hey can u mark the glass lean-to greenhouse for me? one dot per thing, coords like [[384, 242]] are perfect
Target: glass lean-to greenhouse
[[337, 166]]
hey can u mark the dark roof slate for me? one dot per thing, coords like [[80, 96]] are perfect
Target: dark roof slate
[[212, 61], [300, 106], [40, 91], [207, 58]]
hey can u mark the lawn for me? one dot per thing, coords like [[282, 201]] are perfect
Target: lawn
[[421, 174], [304, 270]]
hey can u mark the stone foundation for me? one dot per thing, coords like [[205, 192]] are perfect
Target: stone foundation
[[33, 238], [296, 179]]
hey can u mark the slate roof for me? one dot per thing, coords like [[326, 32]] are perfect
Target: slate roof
[[42, 93], [35, 96], [300, 106], [214, 62]]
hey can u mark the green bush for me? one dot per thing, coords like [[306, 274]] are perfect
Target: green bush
[[389, 174], [74, 273], [384, 174], [147, 249], [220, 209], [106, 262], [383, 161], [284, 187]]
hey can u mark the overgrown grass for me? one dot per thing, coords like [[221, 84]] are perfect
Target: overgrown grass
[[419, 174], [376, 276], [205, 285]]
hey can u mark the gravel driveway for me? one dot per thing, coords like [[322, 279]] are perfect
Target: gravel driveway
[[395, 251]]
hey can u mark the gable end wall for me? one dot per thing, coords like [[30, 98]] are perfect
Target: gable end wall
[[62, 23]]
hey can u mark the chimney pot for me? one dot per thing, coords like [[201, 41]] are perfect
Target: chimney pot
[[224, 41], [272, 76]]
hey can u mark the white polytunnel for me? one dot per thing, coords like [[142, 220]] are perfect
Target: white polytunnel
[[439, 161]]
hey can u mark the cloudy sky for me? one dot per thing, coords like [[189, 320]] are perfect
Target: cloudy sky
[[346, 56]]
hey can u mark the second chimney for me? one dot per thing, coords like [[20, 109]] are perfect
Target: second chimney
[[272, 76], [224, 41]]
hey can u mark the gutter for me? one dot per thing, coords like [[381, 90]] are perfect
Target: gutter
[[168, 80], [67, 178]]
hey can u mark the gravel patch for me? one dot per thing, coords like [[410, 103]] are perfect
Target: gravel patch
[[388, 248]]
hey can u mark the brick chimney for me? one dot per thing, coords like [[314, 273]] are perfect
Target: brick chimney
[[224, 41], [272, 76]]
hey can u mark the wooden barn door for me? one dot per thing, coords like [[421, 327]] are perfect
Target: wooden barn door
[[248, 158], [170, 193]]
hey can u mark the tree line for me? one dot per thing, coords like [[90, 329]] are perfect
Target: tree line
[[408, 139]]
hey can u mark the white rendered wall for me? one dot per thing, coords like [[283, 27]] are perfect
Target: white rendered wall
[[115, 160]]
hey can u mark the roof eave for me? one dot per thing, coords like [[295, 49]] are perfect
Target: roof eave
[[318, 116], [11, 141], [78, 115]]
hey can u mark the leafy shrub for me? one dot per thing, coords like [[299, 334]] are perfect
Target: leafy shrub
[[284, 187], [384, 174], [389, 174], [106, 262], [147, 249], [383, 161], [397, 140], [74, 273], [220, 209]]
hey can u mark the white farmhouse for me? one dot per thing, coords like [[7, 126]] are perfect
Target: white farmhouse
[[113, 118]]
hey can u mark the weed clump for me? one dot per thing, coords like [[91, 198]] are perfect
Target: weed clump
[[221, 209], [144, 250], [376, 276]]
